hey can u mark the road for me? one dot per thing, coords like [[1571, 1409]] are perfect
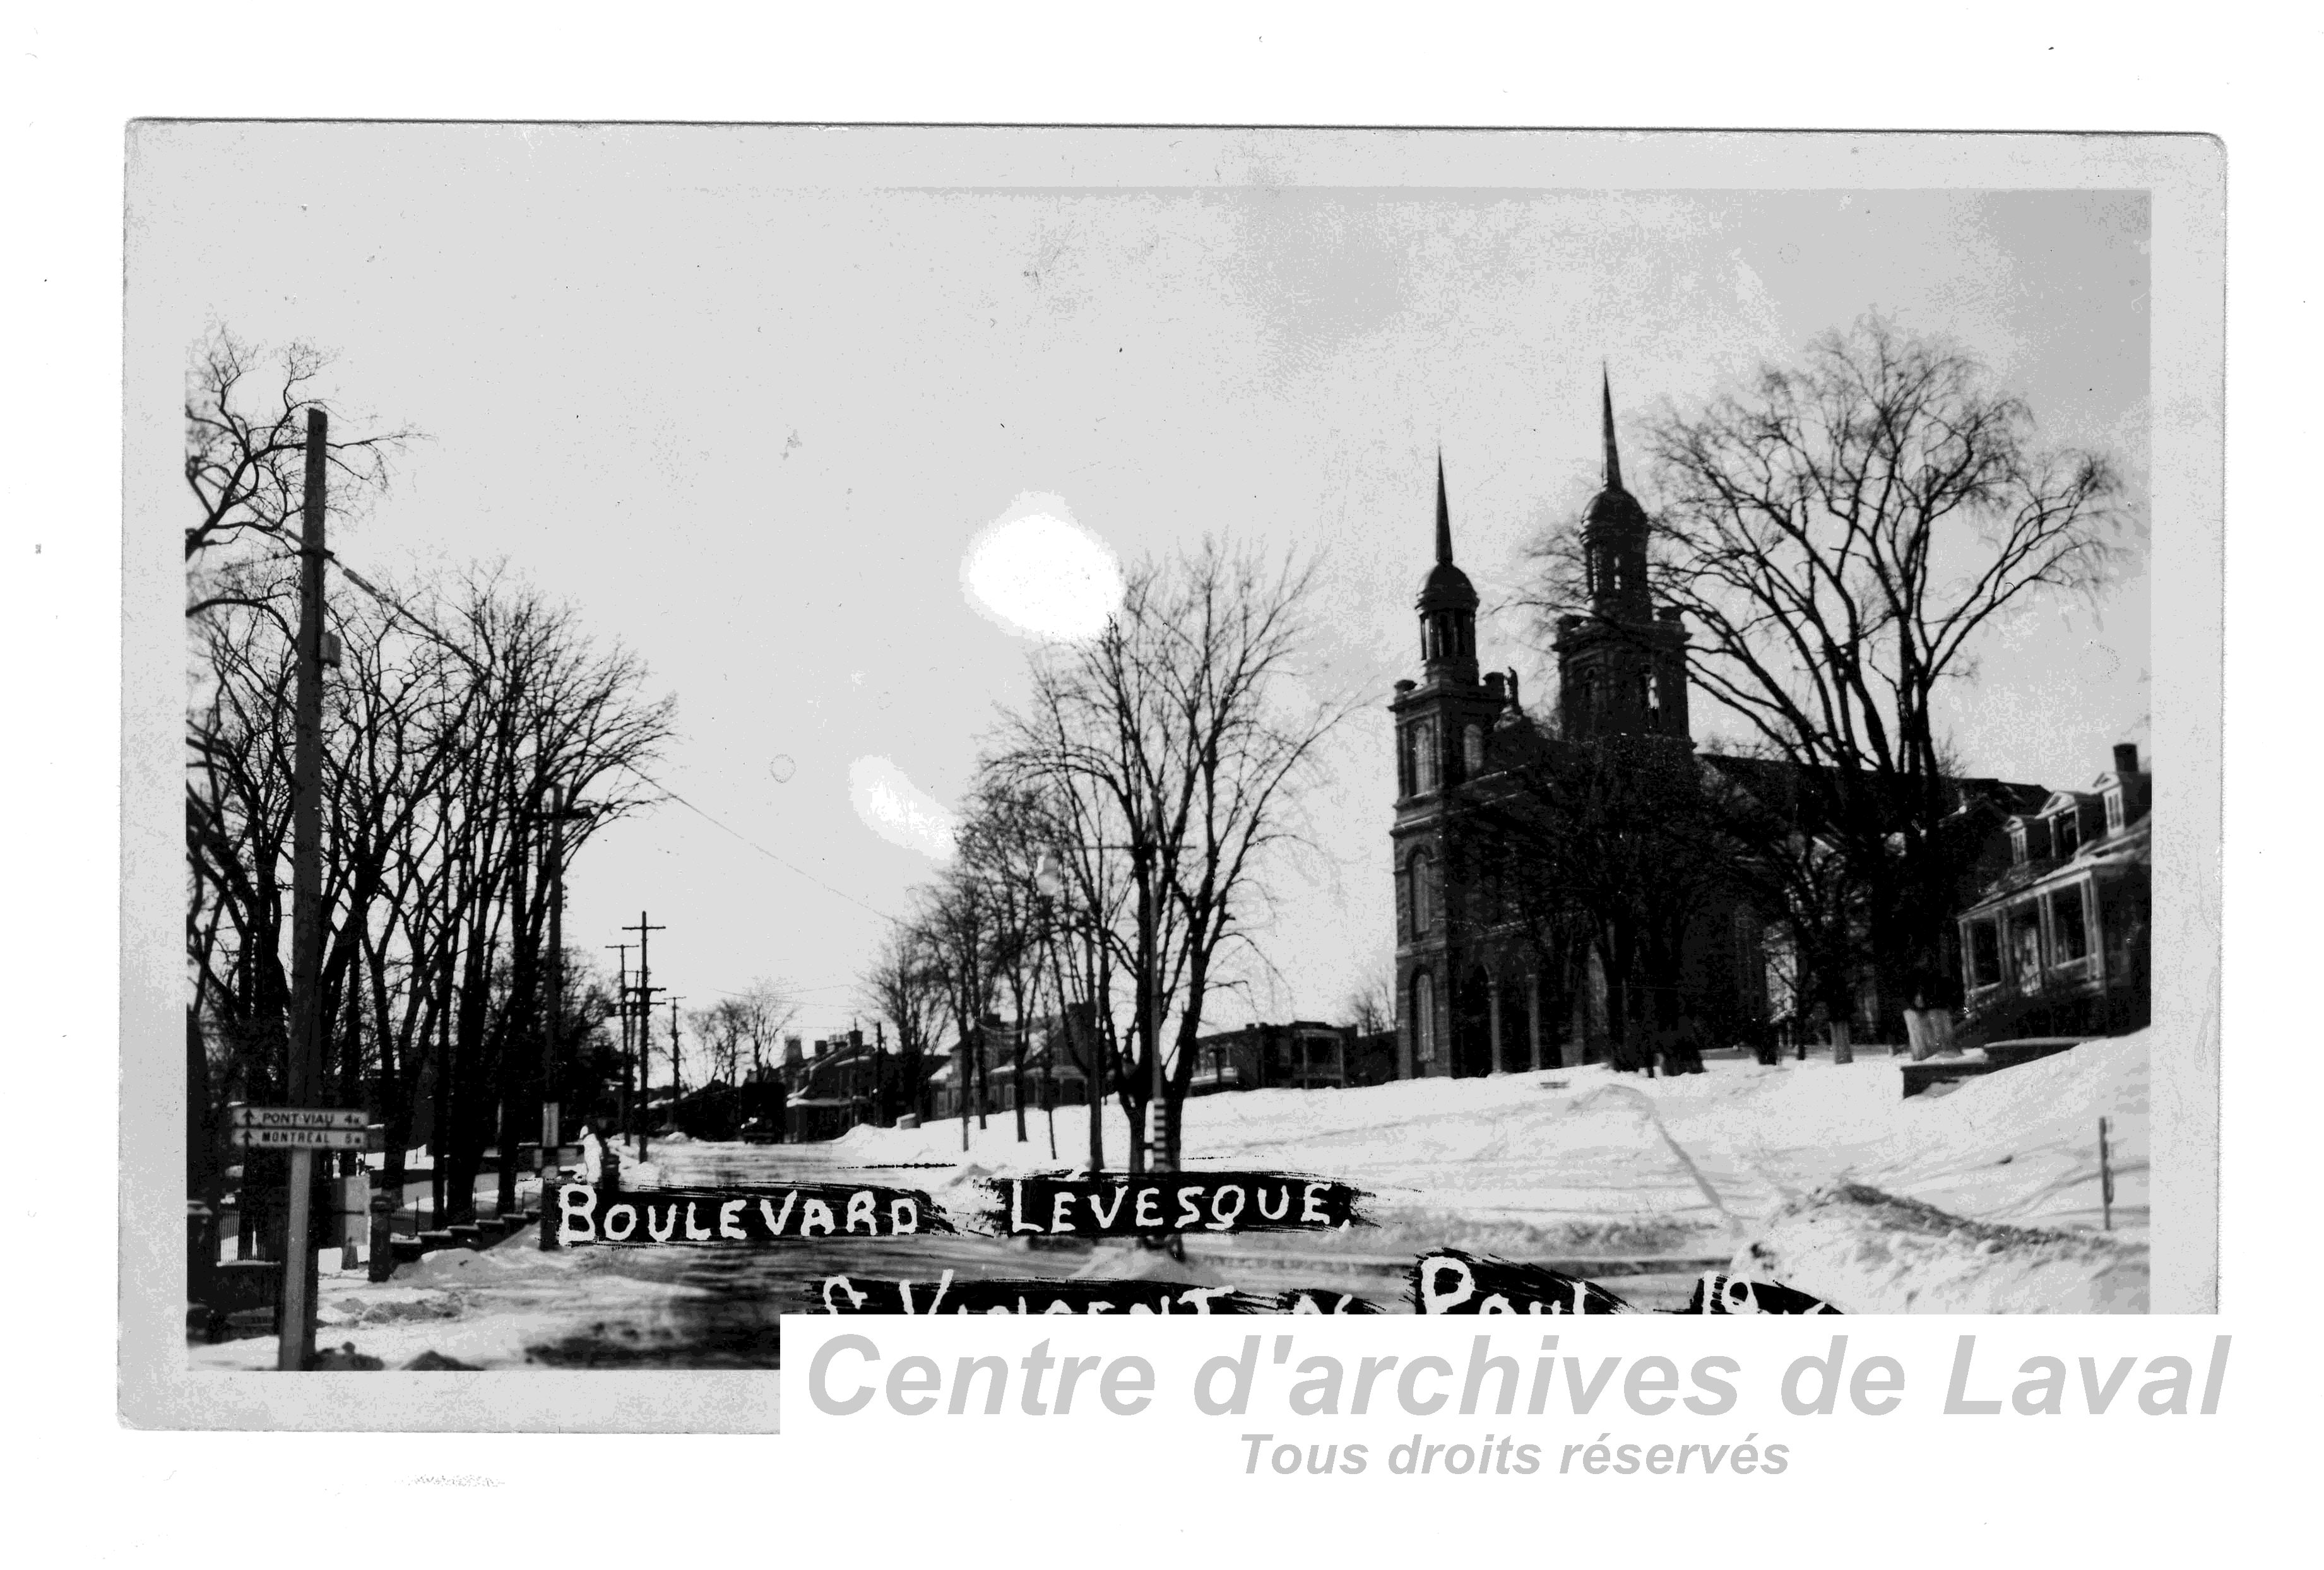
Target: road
[[728, 1320]]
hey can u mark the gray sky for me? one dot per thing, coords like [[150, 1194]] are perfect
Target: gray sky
[[747, 415]]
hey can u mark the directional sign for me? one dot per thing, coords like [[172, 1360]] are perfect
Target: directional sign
[[300, 1139], [293, 1117]]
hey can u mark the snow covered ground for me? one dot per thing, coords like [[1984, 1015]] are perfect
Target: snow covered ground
[[1588, 1160], [1588, 1148], [480, 1308], [1984, 1197]]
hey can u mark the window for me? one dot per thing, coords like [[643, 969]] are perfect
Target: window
[[2069, 934], [1423, 893], [1984, 954], [1654, 702], [2026, 946], [1424, 1019], [2018, 843], [1424, 757], [2066, 833], [1751, 965], [2114, 811], [1473, 750], [1417, 768]]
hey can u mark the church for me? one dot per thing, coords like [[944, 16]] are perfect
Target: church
[[1497, 970], [1476, 991]]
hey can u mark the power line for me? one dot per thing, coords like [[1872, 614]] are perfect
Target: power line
[[770, 856]]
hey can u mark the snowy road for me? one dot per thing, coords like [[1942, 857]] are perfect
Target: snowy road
[[1573, 1167]]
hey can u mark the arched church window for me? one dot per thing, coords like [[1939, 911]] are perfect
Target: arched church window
[[1424, 756], [1654, 700], [1423, 880], [1424, 1019], [1473, 750]]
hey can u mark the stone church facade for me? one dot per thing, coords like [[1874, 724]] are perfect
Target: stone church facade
[[1475, 993]]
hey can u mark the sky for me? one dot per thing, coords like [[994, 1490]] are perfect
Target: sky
[[752, 411]]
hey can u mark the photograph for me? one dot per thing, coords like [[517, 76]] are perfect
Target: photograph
[[872, 719]]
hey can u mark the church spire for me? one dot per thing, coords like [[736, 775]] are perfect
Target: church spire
[[1444, 516], [1613, 457]]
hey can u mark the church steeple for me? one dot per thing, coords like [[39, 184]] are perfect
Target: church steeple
[[1613, 455], [1614, 531], [1447, 603], [1444, 518], [1621, 669]]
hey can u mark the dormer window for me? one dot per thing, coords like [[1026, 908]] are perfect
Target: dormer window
[[2114, 810], [2017, 844], [2066, 833]]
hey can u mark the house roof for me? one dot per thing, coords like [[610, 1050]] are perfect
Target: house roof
[[2130, 848]]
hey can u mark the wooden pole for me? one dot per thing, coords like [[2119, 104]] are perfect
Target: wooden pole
[[552, 1126], [644, 930], [296, 1349], [2105, 1178]]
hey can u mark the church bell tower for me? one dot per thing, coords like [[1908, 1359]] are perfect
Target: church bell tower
[[1621, 668]]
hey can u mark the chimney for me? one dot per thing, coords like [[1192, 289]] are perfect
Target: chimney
[[790, 1048], [2126, 758], [854, 1040], [819, 1044]]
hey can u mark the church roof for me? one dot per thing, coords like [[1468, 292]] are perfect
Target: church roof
[[1446, 587]]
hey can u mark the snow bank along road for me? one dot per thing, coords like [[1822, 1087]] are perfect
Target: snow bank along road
[[1567, 1165], [1555, 1158]]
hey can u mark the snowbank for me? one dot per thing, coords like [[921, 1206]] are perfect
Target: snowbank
[[1519, 1159], [1869, 1253], [471, 1308], [1984, 1197]]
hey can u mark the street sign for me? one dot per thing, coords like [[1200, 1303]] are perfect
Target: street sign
[[296, 1128], [300, 1139], [240, 1116]]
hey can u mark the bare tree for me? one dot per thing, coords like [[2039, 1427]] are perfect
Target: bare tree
[[1614, 844], [718, 1030], [762, 1012], [451, 714], [1371, 1004], [1002, 838], [245, 462], [1171, 747], [1838, 536], [900, 986]]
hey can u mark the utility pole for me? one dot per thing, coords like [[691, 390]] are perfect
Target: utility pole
[[676, 1073], [304, 1078], [524, 1002], [552, 1128], [1157, 1113], [621, 1013], [645, 1033]]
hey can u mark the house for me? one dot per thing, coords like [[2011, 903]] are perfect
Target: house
[[2060, 942], [1303, 1055], [1051, 1071], [843, 1082]]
